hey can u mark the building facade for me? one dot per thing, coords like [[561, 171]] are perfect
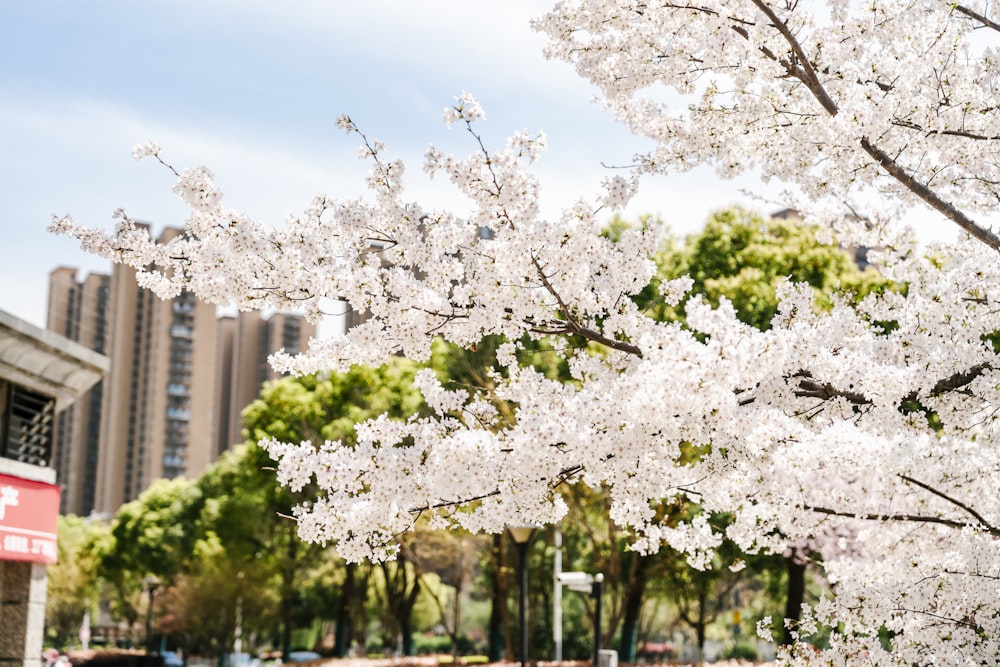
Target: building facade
[[180, 377], [41, 374], [245, 343], [78, 311]]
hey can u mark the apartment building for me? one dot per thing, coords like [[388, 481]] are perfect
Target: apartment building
[[179, 378], [78, 311], [245, 343]]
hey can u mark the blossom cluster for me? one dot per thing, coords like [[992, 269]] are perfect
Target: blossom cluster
[[863, 434]]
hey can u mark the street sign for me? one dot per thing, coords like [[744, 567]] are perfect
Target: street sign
[[29, 514]]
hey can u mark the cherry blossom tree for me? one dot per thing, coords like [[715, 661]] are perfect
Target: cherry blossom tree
[[865, 430]]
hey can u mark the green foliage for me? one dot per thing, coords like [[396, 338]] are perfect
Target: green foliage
[[201, 606], [741, 651], [744, 257], [428, 644], [327, 408], [152, 534], [73, 579]]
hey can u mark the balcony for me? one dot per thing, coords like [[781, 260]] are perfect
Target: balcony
[[179, 414]]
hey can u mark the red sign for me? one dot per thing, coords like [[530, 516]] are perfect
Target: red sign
[[29, 514]]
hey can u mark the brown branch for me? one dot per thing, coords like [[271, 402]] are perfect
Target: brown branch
[[990, 528], [802, 69], [453, 503], [563, 475], [940, 617], [871, 516], [950, 133], [810, 388], [572, 326], [929, 196], [987, 22], [804, 72], [958, 380]]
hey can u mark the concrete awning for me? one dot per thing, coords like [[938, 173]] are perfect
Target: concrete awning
[[46, 362]]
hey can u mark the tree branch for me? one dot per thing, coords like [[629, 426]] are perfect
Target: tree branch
[[572, 326], [987, 22], [801, 68], [804, 72], [871, 516], [958, 380], [949, 133], [809, 388], [990, 528], [929, 196]]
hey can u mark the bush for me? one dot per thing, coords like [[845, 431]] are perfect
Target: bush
[[431, 644], [441, 644], [741, 651]]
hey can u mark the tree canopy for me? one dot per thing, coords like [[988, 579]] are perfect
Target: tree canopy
[[868, 108]]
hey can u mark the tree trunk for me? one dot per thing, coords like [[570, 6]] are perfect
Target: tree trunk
[[359, 612], [345, 621], [498, 609], [702, 623], [796, 596], [288, 597], [633, 607], [406, 620], [456, 619]]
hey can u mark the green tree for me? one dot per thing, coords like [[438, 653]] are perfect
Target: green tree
[[151, 536], [743, 256], [245, 512], [200, 610], [73, 583], [293, 410], [454, 557]]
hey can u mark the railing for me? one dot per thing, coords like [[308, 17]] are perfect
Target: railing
[[28, 434]]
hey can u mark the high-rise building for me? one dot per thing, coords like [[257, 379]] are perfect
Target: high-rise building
[[245, 343], [160, 397], [179, 378], [78, 311]]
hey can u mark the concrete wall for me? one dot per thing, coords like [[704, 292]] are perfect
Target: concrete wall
[[23, 587], [22, 613]]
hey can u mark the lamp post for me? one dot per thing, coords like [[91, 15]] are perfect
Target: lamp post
[[597, 592], [522, 538], [151, 583], [593, 584]]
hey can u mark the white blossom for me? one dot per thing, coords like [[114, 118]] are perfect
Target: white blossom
[[864, 433]]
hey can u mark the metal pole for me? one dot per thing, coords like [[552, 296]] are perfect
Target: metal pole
[[522, 551], [597, 591], [149, 619], [557, 635]]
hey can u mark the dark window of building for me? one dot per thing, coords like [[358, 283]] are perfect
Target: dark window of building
[[26, 430]]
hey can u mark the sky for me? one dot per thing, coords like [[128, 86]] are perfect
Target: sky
[[251, 90]]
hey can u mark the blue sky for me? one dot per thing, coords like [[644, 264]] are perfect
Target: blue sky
[[251, 89]]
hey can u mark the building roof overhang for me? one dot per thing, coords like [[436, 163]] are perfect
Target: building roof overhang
[[46, 362]]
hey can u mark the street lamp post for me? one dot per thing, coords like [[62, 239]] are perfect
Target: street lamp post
[[593, 584], [151, 583], [522, 538], [597, 592]]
